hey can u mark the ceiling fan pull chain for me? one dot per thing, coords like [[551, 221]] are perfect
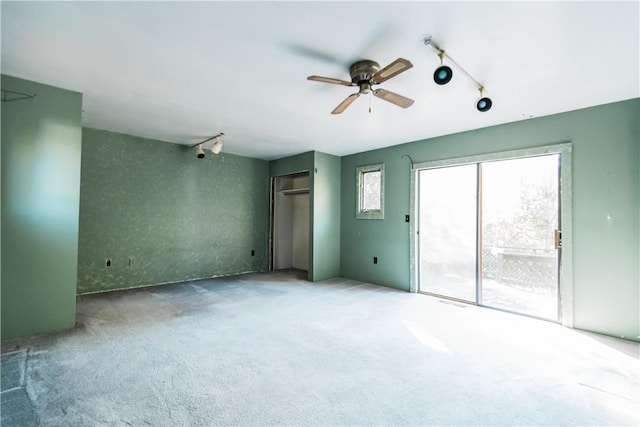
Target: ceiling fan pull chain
[[370, 93]]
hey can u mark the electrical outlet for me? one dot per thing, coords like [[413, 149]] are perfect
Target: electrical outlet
[[375, 259]]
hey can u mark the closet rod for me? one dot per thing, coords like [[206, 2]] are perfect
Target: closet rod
[[295, 191]]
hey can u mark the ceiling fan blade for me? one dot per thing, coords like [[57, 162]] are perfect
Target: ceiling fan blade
[[330, 80], [344, 104], [394, 98], [313, 53], [396, 67]]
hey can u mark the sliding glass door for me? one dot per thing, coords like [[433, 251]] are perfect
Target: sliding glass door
[[519, 222], [488, 233], [447, 236]]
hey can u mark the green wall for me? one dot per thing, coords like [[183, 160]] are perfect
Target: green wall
[[41, 145], [605, 179], [289, 165], [326, 216], [162, 215], [324, 206]]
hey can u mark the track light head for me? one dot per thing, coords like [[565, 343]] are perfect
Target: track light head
[[199, 152], [442, 75], [217, 146], [483, 104]]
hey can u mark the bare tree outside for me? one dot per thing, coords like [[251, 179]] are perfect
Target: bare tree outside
[[519, 217]]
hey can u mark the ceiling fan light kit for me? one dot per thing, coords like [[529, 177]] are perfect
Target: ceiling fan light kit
[[443, 75]]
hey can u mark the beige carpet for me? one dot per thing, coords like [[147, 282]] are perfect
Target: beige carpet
[[274, 349]]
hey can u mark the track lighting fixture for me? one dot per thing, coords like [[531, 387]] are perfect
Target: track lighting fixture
[[443, 75], [483, 103], [215, 148], [199, 152]]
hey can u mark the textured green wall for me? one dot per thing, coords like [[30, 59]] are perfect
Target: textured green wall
[[162, 215], [324, 205], [606, 200], [41, 144]]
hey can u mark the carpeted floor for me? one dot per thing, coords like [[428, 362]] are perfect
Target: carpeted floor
[[274, 349]]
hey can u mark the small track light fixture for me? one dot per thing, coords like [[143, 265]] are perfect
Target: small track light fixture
[[199, 152], [216, 148], [483, 104], [443, 75]]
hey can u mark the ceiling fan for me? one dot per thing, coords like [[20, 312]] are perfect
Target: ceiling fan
[[367, 73]]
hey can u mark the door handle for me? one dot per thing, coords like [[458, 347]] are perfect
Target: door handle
[[557, 239]]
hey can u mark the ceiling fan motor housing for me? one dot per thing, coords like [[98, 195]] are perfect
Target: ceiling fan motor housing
[[361, 73]]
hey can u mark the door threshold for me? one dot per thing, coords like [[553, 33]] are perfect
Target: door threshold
[[446, 298], [463, 303]]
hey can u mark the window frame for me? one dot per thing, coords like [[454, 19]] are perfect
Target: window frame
[[371, 213]]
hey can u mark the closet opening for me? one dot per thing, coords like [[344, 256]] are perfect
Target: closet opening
[[290, 222]]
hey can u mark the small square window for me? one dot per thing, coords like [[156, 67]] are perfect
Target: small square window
[[370, 191]]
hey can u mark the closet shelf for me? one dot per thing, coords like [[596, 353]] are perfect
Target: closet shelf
[[295, 191]]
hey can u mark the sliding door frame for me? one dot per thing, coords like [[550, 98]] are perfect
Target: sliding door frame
[[565, 276]]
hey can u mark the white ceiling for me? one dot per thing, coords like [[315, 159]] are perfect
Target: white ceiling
[[181, 72]]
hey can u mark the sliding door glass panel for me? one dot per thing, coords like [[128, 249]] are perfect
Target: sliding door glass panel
[[447, 231], [520, 214]]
